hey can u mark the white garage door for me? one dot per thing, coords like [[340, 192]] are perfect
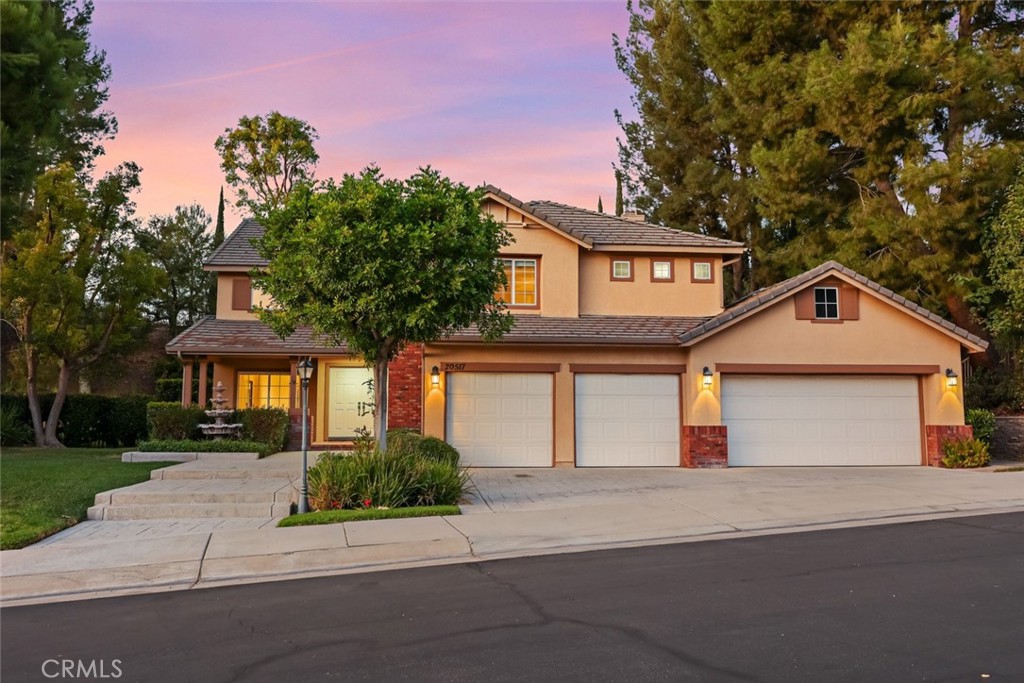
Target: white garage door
[[627, 420], [796, 421], [500, 419]]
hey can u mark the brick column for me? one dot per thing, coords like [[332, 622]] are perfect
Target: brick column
[[705, 446], [936, 435], [405, 389]]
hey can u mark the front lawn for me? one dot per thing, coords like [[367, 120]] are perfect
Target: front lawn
[[335, 516], [44, 490]]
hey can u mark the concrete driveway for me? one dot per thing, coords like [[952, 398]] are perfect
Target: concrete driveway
[[748, 498]]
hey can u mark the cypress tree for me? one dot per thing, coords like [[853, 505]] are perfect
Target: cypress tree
[[600, 206], [618, 193]]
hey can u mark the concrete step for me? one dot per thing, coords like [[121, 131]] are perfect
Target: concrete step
[[181, 511], [204, 491], [139, 456], [223, 473]]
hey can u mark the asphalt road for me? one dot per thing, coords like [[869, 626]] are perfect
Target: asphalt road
[[930, 601]]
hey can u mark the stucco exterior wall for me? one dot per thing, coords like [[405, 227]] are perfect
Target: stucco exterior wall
[[884, 335], [564, 390], [600, 295], [224, 287], [559, 267]]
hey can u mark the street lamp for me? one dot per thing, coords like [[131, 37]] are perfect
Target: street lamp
[[305, 371]]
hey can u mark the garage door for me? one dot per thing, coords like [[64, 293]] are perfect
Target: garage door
[[500, 419], [627, 420], [797, 421]]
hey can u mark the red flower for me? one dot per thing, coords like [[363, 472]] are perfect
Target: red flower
[[367, 503]]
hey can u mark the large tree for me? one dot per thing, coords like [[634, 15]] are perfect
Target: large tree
[[264, 157], [377, 263], [53, 85], [878, 134], [178, 245], [73, 283]]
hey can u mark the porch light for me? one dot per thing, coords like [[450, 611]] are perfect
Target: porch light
[[708, 377], [951, 378], [435, 376], [304, 369]]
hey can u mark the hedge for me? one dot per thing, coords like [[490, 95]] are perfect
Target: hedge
[[170, 420], [89, 420], [207, 446], [269, 425]]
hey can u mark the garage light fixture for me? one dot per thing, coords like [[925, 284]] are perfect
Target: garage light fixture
[[708, 377], [435, 376], [951, 378]]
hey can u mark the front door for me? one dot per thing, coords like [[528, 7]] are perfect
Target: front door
[[349, 401]]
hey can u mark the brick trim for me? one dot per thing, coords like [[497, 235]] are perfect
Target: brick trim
[[705, 446], [936, 435]]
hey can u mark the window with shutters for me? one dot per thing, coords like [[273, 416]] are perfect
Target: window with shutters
[[826, 303], [241, 294]]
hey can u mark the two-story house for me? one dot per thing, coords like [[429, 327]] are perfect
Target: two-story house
[[624, 355]]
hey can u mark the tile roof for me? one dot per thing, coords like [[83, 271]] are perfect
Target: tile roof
[[589, 329], [602, 229], [237, 250], [211, 336], [781, 289]]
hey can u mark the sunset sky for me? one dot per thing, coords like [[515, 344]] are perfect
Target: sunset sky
[[519, 95]]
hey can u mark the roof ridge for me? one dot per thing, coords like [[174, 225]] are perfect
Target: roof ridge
[[632, 224]]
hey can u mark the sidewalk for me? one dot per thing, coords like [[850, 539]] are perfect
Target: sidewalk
[[516, 513]]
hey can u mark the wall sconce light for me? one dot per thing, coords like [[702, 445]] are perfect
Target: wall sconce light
[[435, 376], [951, 378], [708, 377]]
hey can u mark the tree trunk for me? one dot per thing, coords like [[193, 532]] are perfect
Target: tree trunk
[[380, 395], [31, 392], [63, 379]]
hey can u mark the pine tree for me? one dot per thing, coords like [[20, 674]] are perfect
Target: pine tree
[[600, 206], [878, 134], [218, 239], [618, 193]]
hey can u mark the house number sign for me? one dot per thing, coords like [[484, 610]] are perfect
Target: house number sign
[[453, 367]]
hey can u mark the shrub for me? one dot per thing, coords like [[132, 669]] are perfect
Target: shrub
[[89, 419], [964, 453], [13, 430], [439, 483], [172, 421], [168, 390], [436, 450], [269, 425], [403, 440], [206, 446], [984, 423], [398, 478]]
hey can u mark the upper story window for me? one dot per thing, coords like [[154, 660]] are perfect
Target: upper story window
[[622, 269], [826, 303], [662, 271], [521, 275], [702, 272], [241, 294]]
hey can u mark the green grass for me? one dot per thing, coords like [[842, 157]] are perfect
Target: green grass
[[336, 516], [1015, 468], [44, 490]]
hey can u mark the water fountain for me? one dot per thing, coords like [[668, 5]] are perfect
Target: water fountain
[[218, 430]]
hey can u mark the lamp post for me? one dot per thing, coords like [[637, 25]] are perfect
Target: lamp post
[[305, 371]]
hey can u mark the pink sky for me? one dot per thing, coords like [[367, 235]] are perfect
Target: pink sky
[[519, 95]]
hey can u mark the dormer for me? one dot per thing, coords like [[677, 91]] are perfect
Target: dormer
[[232, 261]]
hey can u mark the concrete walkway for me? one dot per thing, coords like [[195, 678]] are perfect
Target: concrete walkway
[[511, 513]]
